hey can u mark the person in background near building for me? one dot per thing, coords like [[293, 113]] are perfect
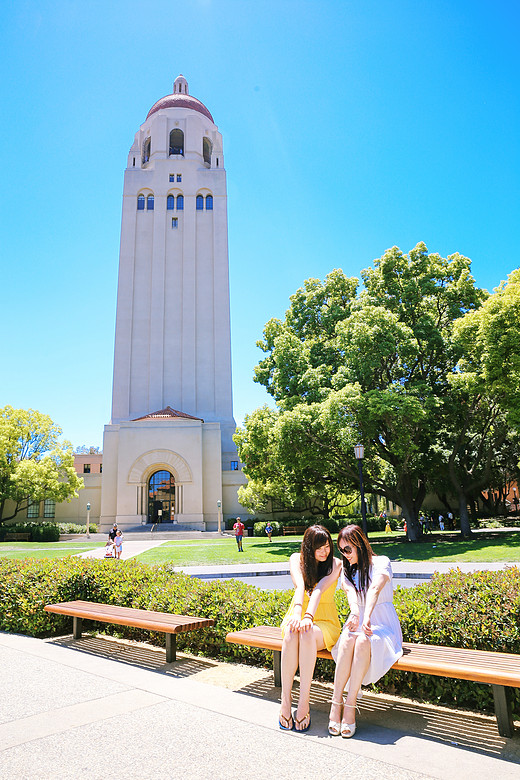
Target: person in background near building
[[113, 532], [109, 549], [311, 622], [118, 541], [388, 528], [239, 528], [269, 531], [441, 523], [451, 525], [371, 640]]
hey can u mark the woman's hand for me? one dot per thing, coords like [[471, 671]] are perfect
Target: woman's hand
[[293, 624], [353, 621], [306, 624], [367, 627]]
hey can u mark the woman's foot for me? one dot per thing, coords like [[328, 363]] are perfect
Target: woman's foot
[[348, 729], [302, 724], [286, 724], [336, 713]]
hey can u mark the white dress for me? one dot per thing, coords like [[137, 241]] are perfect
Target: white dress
[[387, 639]]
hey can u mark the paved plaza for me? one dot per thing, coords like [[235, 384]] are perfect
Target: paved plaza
[[104, 708]]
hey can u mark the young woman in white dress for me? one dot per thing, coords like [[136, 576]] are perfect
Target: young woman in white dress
[[371, 640]]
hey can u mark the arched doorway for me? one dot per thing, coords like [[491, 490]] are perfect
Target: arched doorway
[[161, 497]]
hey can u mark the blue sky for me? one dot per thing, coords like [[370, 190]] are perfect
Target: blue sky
[[348, 127]]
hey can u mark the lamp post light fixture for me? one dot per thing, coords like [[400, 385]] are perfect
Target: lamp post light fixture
[[88, 520], [359, 452], [219, 515]]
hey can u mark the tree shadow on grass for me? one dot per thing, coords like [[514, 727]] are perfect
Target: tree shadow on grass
[[435, 546]]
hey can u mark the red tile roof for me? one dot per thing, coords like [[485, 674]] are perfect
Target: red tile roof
[[180, 101], [167, 413]]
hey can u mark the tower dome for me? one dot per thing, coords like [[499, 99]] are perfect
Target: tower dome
[[180, 98]]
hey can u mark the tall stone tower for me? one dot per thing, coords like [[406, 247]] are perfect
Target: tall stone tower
[[172, 417]]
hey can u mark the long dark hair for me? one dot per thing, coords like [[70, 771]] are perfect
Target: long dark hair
[[354, 536], [314, 537]]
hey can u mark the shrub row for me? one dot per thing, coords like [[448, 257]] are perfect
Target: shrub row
[[74, 528], [40, 532], [479, 610]]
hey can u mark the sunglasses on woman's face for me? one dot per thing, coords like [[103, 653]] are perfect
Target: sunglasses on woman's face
[[345, 550]]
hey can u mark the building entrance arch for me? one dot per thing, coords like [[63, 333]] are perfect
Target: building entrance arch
[[161, 497]]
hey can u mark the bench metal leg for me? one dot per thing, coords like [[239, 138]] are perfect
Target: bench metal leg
[[277, 667], [171, 648], [77, 627], [502, 697]]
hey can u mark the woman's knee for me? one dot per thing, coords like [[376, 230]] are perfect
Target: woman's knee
[[362, 644], [346, 643], [291, 639]]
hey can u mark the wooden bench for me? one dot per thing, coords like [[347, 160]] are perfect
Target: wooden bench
[[500, 670], [21, 537], [294, 529], [163, 622]]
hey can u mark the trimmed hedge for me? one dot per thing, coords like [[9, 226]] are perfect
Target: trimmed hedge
[[259, 528], [479, 610], [40, 532], [74, 528]]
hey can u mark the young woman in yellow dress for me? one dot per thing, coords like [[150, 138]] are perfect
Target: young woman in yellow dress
[[311, 622]]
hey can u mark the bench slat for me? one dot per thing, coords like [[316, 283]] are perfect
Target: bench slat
[[127, 616], [454, 662]]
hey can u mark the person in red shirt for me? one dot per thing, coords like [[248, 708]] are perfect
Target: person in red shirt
[[238, 528]]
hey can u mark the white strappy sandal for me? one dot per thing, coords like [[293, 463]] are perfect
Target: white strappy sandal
[[348, 729], [334, 725]]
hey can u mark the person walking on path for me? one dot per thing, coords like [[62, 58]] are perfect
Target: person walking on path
[[113, 532], [239, 528], [371, 640], [269, 531], [118, 541], [311, 622]]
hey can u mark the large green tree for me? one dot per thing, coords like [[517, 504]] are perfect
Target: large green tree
[[34, 464], [482, 416], [370, 366]]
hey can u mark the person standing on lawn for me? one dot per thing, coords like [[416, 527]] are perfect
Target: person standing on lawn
[[239, 528]]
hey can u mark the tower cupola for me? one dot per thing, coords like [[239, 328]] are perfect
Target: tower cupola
[[180, 86]]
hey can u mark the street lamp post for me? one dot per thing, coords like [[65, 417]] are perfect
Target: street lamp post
[[359, 452], [219, 514], [88, 520]]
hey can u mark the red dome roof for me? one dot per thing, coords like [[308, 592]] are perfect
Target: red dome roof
[[180, 101]]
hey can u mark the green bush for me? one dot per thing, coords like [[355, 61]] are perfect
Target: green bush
[[74, 528], [259, 528], [479, 610], [40, 532]]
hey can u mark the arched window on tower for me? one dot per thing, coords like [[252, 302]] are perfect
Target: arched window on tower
[[147, 150], [206, 150], [140, 203], [200, 203], [209, 202], [177, 142], [180, 202], [170, 202], [149, 203]]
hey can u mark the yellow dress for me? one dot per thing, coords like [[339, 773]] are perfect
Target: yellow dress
[[325, 617]]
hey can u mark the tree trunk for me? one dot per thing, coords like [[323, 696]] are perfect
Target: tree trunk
[[413, 527], [465, 527]]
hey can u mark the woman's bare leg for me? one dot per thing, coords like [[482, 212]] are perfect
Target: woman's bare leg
[[289, 665], [342, 673], [310, 643], [360, 664]]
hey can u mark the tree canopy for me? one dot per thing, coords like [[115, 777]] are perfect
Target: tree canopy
[[34, 464], [389, 366]]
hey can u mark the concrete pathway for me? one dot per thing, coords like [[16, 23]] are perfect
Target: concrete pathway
[[130, 549], [100, 709]]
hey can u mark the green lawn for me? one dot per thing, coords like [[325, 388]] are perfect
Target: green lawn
[[484, 548], [501, 546], [44, 549]]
